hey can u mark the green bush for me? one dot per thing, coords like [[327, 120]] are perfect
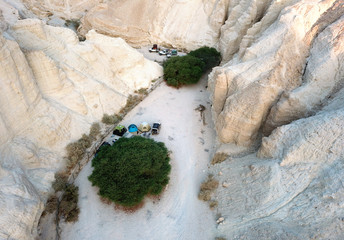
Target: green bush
[[210, 56], [130, 169], [183, 70]]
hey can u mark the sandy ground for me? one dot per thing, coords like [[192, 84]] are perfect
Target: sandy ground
[[178, 214]]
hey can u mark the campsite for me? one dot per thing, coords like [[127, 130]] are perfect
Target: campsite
[[191, 143]]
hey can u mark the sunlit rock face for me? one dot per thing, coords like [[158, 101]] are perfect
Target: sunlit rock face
[[323, 77], [292, 189], [282, 89], [182, 24], [52, 89], [262, 73], [67, 9], [279, 88]]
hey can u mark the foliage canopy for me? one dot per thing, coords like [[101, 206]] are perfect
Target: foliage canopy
[[210, 56], [131, 168], [183, 70], [188, 69]]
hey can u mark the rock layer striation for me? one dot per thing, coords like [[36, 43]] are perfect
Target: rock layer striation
[[53, 88]]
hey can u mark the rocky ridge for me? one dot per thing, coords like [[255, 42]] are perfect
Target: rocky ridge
[[287, 86], [279, 92], [52, 82]]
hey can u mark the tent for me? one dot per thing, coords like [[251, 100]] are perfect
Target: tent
[[119, 130], [144, 127], [132, 128]]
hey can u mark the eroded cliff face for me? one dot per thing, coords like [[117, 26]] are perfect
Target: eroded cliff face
[[52, 89], [66, 9], [182, 24], [265, 71], [292, 189], [283, 81], [279, 89]]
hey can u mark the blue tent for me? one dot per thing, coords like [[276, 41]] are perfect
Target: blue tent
[[132, 128]]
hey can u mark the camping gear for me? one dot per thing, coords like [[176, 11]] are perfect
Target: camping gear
[[156, 128], [144, 127], [119, 130], [133, 128]]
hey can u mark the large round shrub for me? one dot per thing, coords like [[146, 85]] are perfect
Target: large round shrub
[[183, 70], [131, 168], [210, 56]]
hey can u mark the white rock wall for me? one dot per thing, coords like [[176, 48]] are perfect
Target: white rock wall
[[245, 88], [182, 24], [66, 9], [294, 189], [323, 76], [53, 88]]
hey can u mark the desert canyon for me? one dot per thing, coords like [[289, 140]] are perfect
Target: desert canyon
[[277, 102]]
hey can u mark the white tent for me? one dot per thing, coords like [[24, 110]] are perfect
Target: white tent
[[144, 127]]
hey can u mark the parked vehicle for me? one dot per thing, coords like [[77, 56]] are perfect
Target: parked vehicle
[[164, 52], [156, 128], [171, 53], [154, 48]]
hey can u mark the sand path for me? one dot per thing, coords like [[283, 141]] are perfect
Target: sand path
[[178, 214]]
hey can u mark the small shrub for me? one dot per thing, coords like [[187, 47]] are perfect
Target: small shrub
[[61, 181], [74, 153], [220, 238], [219, 158], [213, 204], [130, 169], [94, 131], [210, 184], [132, 100], [110, 119], [76, 150], [51, 205], [142, 91], [183, 70], [205, 195], [69, 204], [207, 188], [210, 56], [85, 141]]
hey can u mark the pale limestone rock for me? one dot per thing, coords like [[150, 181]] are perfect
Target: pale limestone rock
[[178, 23], [244, 89], [67, 9], [324, 76], [296, 193], [52, 89], [292, 188], [241, 17], [8, 15]]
